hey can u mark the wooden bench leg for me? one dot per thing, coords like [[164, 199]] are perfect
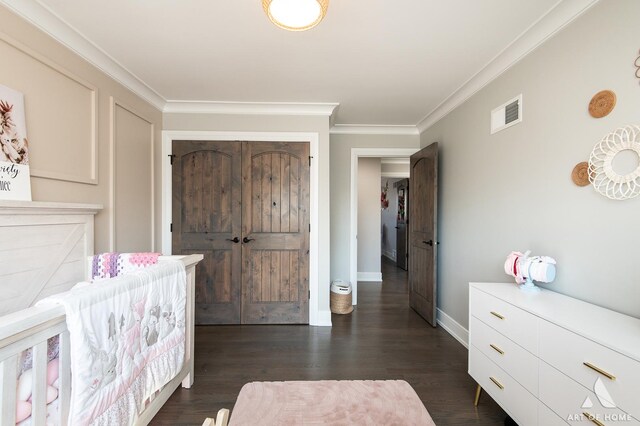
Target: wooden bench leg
[[221, 419], [478, 393]]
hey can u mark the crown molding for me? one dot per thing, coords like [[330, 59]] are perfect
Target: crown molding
[[250, 108], [47, 21], [559, 16], [373, 129]]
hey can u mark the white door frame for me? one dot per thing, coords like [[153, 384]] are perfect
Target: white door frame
[[353, 223], [168, 136]]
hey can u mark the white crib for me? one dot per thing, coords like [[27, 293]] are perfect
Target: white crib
[[32, 326]]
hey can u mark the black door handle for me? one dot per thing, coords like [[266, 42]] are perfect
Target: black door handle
[[235, 240], [429, 243], [246, 240]]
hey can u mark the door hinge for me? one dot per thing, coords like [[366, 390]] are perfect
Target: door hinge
[[309, 227], [171, 158], [171, 227], [310, 157], [309, 294]]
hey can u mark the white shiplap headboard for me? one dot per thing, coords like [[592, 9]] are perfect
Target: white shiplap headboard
[[43, 247]]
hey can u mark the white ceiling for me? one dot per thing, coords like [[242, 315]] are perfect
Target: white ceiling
[[384, 62]]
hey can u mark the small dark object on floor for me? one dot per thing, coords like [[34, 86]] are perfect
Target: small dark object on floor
[[509, 422]]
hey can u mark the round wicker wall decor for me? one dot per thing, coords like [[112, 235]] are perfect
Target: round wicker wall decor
[[602, 104], [580, 174], [601, 174]]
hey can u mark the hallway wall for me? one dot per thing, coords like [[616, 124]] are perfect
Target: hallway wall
[[341, 146], [369, 268]]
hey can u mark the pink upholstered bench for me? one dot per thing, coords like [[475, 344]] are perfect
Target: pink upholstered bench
[[358, 402]]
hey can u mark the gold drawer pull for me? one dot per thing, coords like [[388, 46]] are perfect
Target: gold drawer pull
[[495, 314], [599, 370], [497, 383], [592, 419], [497, 349]]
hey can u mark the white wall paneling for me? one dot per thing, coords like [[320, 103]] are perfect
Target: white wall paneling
[[61, 114], [131, 156]]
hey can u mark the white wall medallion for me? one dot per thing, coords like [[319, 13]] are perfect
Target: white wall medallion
[[608, 178]]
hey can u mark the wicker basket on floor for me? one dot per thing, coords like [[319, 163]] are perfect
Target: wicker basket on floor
[[341, 301]]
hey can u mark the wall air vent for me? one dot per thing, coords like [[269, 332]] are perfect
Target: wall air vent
[[506, 115]]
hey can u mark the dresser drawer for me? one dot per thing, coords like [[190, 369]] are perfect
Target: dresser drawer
[[519, 325], [567, 399], [512, 358], [546, 417], [580, 359], [507, 392]]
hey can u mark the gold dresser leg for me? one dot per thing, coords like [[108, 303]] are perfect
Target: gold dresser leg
[[478, 393]]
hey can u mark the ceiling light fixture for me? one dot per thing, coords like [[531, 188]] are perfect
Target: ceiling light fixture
[[296, 15]]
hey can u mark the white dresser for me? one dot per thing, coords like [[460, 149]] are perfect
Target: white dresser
[[544, 356]]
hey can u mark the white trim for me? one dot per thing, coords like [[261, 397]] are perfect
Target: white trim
[[316, 316], [370, 276], [373, 129], [249, 108], [52, 24], [353, 220], [406, 160], [323, 319], [453, 327], [394, 174], [559, 16]]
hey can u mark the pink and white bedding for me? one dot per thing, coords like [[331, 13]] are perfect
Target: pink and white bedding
[[110, 265], [127, 339]]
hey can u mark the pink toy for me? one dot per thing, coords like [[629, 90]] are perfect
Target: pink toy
[[23, 410], [53, 370]]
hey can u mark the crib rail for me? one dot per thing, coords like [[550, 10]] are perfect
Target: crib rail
[[32, 327], [26, 329]]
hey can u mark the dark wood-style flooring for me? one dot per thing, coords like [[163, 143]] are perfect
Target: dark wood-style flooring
[[382, 339]]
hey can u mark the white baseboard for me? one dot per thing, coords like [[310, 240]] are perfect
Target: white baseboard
[[370, 276], [454, 328], [323, 319], [389, 254]]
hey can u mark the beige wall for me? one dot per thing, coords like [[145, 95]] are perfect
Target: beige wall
[[513, 191], [256, 123], [395, 169], [369, 216], [341, 146], [72, 114]]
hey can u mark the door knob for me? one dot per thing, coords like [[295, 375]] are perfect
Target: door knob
[[234, 240], [246, 240]]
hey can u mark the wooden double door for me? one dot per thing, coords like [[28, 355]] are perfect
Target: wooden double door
[[245, 207]]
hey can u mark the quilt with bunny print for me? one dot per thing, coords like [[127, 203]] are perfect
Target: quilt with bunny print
[[127, 338]]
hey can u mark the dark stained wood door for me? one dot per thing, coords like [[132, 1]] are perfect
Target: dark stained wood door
[[207, 178], [275, 232], [423, 219]]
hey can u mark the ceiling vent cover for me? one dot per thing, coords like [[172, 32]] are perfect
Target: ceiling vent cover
[[506, 115]]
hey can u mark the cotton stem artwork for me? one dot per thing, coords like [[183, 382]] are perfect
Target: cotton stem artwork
[[14, 147]]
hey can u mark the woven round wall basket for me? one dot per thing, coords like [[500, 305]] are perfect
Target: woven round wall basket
[[580, 174], [340, 300], [602, 104]]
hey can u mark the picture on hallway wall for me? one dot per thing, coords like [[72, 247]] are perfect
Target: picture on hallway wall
[[15, 183]]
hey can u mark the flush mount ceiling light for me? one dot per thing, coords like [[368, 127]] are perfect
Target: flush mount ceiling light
[[296, 15]]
